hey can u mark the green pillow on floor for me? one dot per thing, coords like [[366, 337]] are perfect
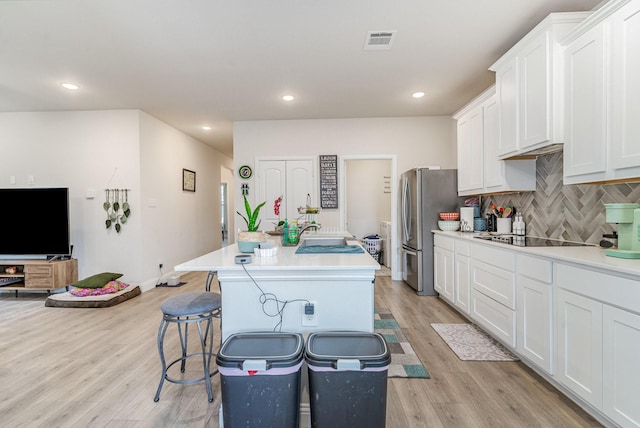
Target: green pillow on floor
[[97, 281]]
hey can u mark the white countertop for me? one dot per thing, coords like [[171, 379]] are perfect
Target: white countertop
[[588, 256], [286, 259]]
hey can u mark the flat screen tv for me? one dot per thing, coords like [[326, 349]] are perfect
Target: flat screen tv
[[34, 222]]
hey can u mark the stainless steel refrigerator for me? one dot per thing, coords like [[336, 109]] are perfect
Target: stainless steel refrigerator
[[425, 194]]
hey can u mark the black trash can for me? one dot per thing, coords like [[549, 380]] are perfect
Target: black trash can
[[347, 379], [260, 379]]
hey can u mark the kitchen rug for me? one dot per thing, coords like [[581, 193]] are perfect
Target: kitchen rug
[[470, 343], [404, 361]]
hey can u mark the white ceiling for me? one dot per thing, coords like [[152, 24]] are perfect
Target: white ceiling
[[195, 62]]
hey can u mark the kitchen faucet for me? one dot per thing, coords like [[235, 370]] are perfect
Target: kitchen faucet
[[307, 226]]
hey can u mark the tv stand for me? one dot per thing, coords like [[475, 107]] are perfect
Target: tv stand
[[38, 275]]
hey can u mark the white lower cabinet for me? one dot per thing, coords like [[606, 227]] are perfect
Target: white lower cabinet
[[598, 340], [493, 292], [621, 375], [534, 325], [579, 325], [462, 289], [443, 268], [579, 345]]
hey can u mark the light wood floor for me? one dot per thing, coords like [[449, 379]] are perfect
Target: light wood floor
[[64, 367]]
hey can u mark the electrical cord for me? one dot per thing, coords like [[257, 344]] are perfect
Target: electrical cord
[[270, 297]]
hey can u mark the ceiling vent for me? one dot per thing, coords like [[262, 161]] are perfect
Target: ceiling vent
[[379, 40]]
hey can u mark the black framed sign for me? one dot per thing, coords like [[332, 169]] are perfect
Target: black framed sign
[[188, 180], [328, 181]]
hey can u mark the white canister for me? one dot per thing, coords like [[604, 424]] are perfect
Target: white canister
[[466, 219], [504, 225]]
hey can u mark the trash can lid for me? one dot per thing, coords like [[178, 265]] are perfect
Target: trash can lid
[[324, 349], [277, 349]]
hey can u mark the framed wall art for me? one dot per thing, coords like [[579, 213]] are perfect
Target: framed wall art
[[188, 180]]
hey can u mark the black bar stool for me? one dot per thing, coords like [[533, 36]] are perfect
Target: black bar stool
[[184, 309]]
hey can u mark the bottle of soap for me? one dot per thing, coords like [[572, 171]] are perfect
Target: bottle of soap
[[523, 228], [293, 233]]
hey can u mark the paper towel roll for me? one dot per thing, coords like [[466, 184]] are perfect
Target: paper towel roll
[[466, 219]]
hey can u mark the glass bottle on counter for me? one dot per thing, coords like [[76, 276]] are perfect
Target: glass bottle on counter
[[285, 232], [491, 222], [293, 233]]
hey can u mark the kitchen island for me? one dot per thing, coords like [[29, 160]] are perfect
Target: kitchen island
[[270, 293]]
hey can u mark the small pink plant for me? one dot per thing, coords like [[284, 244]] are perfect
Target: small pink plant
[[276, 206]]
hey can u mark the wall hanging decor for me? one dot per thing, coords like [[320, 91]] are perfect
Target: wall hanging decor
[[188, 180], [117, 207], [329, 181], [245, 172]]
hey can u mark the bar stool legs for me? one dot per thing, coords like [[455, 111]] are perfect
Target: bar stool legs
[[182, 310]]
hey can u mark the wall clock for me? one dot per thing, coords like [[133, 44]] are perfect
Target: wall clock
[[245, 172]]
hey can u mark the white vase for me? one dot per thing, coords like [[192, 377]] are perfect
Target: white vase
[[248, 241]]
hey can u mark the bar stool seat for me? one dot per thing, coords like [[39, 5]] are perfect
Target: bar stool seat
[[182, 310]]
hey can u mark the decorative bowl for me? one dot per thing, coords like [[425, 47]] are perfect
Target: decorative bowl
[[449, 216], [449, 225]]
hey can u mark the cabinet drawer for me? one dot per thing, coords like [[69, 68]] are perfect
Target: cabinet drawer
[[38, 270], [495, 318], [462, 248], [494, 282], [503, 259], [38, 282], [443, 242], [615, 290], [532, 267]]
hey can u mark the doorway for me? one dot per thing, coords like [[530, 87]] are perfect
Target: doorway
[[369, 199], [226, 206]]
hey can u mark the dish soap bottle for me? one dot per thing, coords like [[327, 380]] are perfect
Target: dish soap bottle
[[293, 233]]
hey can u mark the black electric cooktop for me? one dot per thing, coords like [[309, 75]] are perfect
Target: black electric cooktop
[[530, 241]]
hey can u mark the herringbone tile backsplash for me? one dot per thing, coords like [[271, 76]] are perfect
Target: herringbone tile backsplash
[[572, 212]]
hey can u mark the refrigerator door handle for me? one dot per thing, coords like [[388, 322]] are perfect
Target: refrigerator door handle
[[406, 210], [409, 252]]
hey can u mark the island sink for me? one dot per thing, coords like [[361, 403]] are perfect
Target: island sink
[[323, 241]]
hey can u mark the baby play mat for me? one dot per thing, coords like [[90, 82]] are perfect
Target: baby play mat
[[68, 300]]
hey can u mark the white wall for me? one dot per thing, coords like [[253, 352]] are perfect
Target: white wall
[[94, 150], [417, 141], [178, 225], [413, 141]]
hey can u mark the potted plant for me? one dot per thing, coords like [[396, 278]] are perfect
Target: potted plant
[[250, 238]]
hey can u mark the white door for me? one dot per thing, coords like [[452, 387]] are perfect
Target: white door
[[443, 273], [291, 179], [507, 96], [621, 376], [579, 345], [625, 58], [585, 132], [534, 321], [534, 123]]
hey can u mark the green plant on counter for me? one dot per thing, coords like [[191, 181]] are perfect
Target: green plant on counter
[[252, 216]]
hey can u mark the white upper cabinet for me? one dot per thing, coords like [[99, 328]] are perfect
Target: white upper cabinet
[[585, 137], [625, 84], [529, 88], [602, 106], [480, 171]]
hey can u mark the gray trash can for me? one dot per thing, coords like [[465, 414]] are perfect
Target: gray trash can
[[347, 379], [260, 379]]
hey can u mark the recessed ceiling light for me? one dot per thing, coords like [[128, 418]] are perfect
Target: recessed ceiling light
[[288, 97], [418, 94], [71, 86], [206, 127]]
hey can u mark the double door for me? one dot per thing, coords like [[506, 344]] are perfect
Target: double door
[[294, 180]]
